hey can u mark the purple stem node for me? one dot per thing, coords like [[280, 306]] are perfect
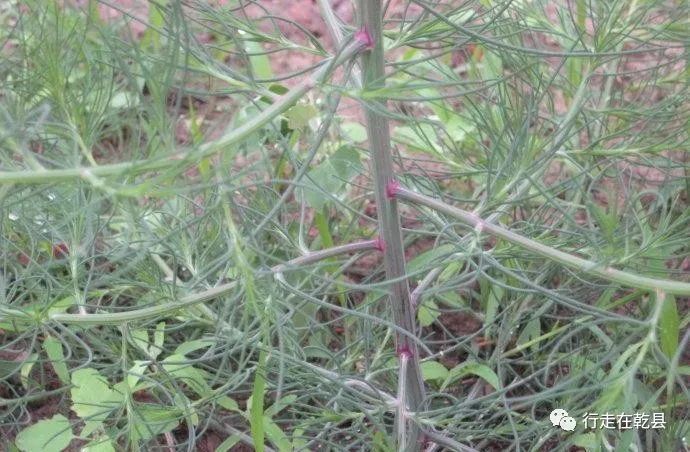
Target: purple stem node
[[364, 37], [392, 188], [380, 244], [404, 351]]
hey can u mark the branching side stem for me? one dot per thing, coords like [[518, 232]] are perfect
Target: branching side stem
[[191, 300], [188, 156], [577, 263]]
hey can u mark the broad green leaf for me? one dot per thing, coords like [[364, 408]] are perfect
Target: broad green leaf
[[276, 435], [491, 66], [441, 109], [178, 367], [256, 404], [331, 176], [491, 297], [53, 348], [229, 404], [204, 167], [451, 270], [245, 115], [669, 325], [140, 339], [586, 367], [458, 128], [124, 100], [621, 362], [136, 372], [26, 368], [150, 421], [423, 260], [197, 134], [191, 346], [274, 88], [185, 405], [472, 368], [92, 397], [90, 426], [299, 115], [531, 331], [452, 299], [346, 162], [322, 177], [644, 394], [422, 138], [52, 434], [156, 24], [427, 313], [587, 441], [261, 65], [606, 297], [280, 405], [158, 337], [611, 398], [299, 441], [354, 132], [625, 440], [433, 370], [317, 347], [101, 445], [278, 88], [61, 305], [616, 396]]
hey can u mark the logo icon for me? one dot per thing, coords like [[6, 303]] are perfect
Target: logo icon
[[559, 417]]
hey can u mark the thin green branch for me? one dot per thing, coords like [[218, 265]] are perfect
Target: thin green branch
[[233, 137], [586, 266], [117, 318], [331, 20], [489, 41], [316, 256]]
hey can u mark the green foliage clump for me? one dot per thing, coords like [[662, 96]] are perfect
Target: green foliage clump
[[195, 245]]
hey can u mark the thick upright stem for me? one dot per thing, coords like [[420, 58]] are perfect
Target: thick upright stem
[[389, 219]]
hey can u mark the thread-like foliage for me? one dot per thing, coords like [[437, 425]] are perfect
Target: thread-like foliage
[[200, 248]]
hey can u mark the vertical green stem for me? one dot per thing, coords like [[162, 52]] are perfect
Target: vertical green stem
[[389, 220]]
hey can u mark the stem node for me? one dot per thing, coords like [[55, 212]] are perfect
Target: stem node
[[404, 352], [392, 188], [380, 244], [364, 37]]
